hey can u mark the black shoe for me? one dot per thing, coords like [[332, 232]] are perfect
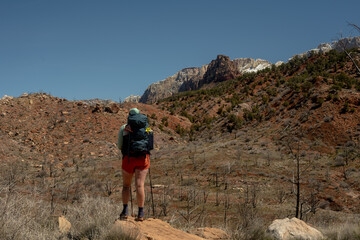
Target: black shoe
[[123, 216], [139, 219]]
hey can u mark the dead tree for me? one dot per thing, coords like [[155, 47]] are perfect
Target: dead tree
[[354, 26], [226, 209], [343, 44], [298, 173], [296, 156]]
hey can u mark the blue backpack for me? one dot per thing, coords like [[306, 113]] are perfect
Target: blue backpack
[[140, 139]]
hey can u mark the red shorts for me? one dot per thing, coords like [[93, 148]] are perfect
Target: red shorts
[[141, 162]]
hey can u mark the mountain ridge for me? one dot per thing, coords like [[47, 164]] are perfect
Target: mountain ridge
[[189, 79], [184, 80]]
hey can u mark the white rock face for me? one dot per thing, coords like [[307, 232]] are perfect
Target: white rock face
[[341, 45], [278, 63], [251, 65], [7, 97], [287, 229], [132, 99]]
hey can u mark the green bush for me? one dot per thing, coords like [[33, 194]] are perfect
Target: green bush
[[342, 80], [254, 114], [180, 130], [164, 121], [234, 122]]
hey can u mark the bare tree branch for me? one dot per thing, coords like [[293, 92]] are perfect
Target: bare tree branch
[[354, 26]]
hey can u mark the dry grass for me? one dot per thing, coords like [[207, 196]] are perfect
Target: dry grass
[[346, 231], [24, 217]]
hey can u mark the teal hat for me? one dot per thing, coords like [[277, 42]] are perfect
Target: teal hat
[[134, 111]]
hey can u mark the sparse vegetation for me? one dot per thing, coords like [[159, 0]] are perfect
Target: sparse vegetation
[[222, 158]]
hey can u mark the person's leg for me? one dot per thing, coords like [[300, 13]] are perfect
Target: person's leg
[[127, 177], [140, 176]]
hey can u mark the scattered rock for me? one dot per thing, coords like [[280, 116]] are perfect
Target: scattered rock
[[112, 108], [64, 225], [286, 229]]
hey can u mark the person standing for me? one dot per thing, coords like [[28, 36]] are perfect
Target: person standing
[[135, 141]]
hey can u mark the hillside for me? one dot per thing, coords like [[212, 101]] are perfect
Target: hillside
[[316, 96], [225, 155]]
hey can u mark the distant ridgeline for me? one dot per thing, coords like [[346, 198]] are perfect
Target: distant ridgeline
[[221, 69]]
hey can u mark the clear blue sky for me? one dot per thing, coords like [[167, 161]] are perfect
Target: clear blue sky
[[81, 49]]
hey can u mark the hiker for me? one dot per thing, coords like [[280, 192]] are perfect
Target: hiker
[[135, 142]]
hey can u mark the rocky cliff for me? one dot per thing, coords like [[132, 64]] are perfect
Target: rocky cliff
[[132, 99], [220, 69], [187, 79], [341, 45]]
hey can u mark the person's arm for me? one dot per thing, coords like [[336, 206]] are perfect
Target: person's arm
[[120, 137]]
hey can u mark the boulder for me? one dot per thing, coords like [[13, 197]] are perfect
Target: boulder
[[112, 108], [286, 229], [64, 225]]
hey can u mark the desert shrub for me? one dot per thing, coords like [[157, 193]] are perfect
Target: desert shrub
[[342, 80], [249, 77], [306, 87], [234, 122], [272, 92], [294, 83], [195, 127], [254, 114], [92, 218], [180, 130], [235, 99], [264, 99], [187, 115], [164, 121], [294, 64], [249, 224], [25, 218], [208, 120], [221, 111]]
